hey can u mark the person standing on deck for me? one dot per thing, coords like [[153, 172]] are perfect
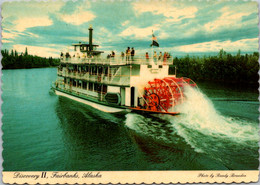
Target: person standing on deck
[[155, 56], [132, 54], [128, 53], [113, 54], [164, 58], [160, 56], [147, 56], [122, 55]]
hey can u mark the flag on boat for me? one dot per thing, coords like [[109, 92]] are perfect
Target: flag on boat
[[154, 41]]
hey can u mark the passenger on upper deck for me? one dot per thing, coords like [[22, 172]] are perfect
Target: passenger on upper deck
[[67, 55], [61, 55], [146, 55], [160, 56], [122, 55], [132, 54], [113, 54], [128, 53], [155, 55], [165, 55], [90, 55]]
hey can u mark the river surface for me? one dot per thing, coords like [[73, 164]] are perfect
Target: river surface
[[45, 132]]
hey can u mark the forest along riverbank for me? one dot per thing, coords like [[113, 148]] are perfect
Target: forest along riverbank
[[223, 67], [13, 60]]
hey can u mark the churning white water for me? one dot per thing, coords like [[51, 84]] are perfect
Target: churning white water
[[200, 114], [198, 124]]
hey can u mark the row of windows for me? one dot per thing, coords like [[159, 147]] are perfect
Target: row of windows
[[86, 69], [86, 85]]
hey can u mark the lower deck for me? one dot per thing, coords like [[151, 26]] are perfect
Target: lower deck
[[100, 105]]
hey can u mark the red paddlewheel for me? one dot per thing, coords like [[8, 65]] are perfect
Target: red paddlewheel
[[164, 94], [153, 102]]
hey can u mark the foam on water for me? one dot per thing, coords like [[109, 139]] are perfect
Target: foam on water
[[199, 120], [200, 115]]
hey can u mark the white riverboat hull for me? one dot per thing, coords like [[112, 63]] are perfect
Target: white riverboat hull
[[92, 104]]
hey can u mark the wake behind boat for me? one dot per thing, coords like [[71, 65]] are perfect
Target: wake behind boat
[[124, 83]]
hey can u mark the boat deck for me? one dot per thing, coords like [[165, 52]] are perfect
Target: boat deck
[[117, 61]]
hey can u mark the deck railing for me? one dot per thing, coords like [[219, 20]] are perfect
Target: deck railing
[[118, 60], [98, 95], [100, 78]]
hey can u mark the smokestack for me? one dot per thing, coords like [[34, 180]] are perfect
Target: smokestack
[[90, 38]]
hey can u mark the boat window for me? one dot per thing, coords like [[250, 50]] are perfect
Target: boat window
[[94, 70], [100, 70], [79, 84], [104, 89], [106, 71], [74, 82], [90, 86], [74, 67], [84, 85], [95, 87]]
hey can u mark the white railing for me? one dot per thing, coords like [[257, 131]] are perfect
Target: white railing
[[81, 91], [101, 78], [118, 60]]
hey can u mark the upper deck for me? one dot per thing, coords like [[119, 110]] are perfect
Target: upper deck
[[116, 61]]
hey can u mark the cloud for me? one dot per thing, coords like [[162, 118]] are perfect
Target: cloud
[[230, 17], [173, 11], [19, 16], [36, 50], [78, 17], [6, 41], [31, 9], [7, 35], [23, 23], [139, 33], [125, 23], [213, 46]]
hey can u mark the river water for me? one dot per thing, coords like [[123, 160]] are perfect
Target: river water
[[44, 132]]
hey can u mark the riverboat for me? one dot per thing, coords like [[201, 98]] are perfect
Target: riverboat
[[116, 84]]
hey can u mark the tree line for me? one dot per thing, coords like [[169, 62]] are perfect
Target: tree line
[[13, 60], [224, 67]]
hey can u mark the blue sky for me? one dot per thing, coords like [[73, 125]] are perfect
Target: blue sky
[[181, 27]]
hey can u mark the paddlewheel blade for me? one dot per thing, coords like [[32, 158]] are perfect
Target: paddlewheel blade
[[164, 94]]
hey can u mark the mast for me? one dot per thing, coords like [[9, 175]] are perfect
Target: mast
[[152, 60], [90, 38]]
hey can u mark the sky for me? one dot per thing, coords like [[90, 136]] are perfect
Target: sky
[[182, 27]]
